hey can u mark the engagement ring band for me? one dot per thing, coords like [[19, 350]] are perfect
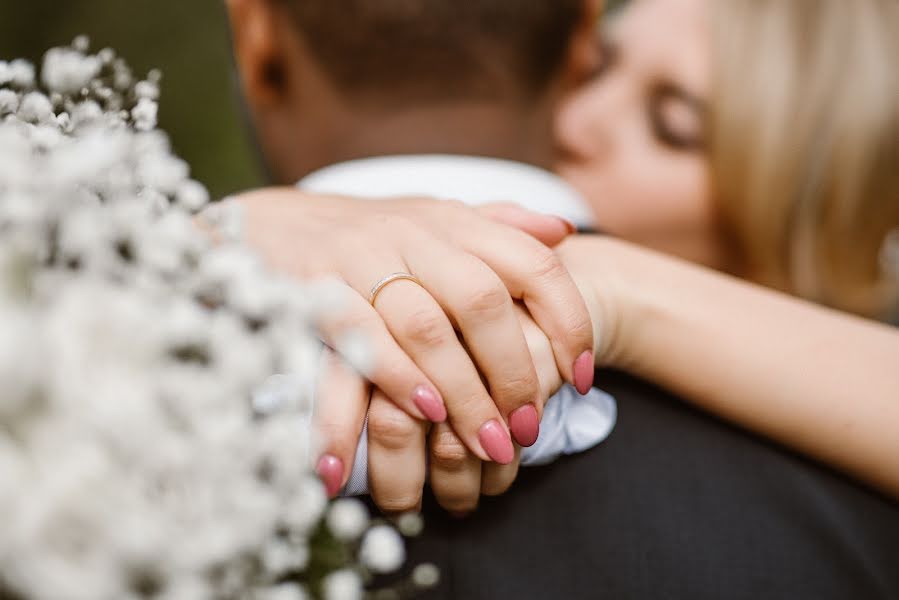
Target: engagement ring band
[[380, 285]]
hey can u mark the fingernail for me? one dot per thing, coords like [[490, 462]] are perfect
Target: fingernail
[[583, 372], [571, 227], [330, 471], [429, 403], [496, 442], [458, 514], [525, 425]]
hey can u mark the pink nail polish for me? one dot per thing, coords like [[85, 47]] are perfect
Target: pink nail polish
[[496, 442], [525, 425], [583, 372], [330, 471], [428, 401]]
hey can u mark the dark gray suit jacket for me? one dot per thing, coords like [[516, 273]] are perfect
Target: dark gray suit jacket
[[675, 504]]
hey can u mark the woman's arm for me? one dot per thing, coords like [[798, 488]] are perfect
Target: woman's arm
[[820, 381]]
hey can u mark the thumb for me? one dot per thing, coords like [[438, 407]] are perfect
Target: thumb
[[548, 229]]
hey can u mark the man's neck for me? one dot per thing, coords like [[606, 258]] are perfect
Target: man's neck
[[519, 134]]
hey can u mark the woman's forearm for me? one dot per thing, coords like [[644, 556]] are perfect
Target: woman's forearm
[[820, 381]]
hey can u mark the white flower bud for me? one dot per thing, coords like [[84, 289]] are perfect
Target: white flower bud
[[9, 100], [286, 591], [426, 575], [411, 524], [347, 519], [382, 550], [145, 114], [36, 108], [21, 73], [342, 585], [192, 195], [68, 71], [146, 89]]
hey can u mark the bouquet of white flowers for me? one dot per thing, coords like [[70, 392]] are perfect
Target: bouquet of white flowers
[[146, 450]]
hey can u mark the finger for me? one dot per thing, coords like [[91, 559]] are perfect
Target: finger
[[541, 353], [386, 364], [396, 456], [455, 472], [548, 229], [534, 274], [484, 312], [421, 327], [341, 405], [497, 479]]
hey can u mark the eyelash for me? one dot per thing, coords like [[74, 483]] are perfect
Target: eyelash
[[608, 59], [660, 129], [666, 136]]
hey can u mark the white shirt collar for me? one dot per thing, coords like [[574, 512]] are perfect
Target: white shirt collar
[[472, 179]]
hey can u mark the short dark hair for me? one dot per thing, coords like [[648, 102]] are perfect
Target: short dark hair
[[421, 50]]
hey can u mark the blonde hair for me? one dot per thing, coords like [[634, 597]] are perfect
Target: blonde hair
[[804, 144]]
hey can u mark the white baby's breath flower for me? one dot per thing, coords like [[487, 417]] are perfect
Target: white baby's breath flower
[[147, 89], [382, 550], [9, 100], [145, 114], [286, 591], [192, 195], [426, 575], [342, 585], [68, 71], [411, 524], [35, 108], [85, 113], [347, 519], [21, 73], [135, 458]]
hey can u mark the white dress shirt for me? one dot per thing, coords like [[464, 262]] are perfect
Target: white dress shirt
[[571, 422]]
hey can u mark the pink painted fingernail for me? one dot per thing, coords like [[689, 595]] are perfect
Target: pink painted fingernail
[[525, 425], [496, 442], [330, 471], [583, 372], [429, 403]]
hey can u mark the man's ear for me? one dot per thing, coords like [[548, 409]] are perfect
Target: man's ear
[[257, 50], [583, 52]]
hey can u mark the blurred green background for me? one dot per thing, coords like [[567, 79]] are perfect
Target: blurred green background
[[186, 39]]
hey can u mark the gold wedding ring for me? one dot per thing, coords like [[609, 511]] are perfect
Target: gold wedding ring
[[380, 285]]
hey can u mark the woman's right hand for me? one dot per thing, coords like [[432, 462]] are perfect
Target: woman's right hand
[[471, 269]]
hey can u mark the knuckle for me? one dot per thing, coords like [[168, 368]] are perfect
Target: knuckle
[[547, 265], [448, 453], [516, 389], [397, 502], [391, 428], [426, 328], [488, 300]]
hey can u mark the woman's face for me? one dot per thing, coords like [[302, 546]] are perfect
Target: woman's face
[[633, 139]]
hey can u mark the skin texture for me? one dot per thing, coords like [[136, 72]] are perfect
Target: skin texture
[[819, 381], [303, 123], [641, 115]]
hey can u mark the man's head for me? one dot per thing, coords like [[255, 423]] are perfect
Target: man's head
[[330, 80]]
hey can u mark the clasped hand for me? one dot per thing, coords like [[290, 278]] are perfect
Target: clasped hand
[[464, 358]]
